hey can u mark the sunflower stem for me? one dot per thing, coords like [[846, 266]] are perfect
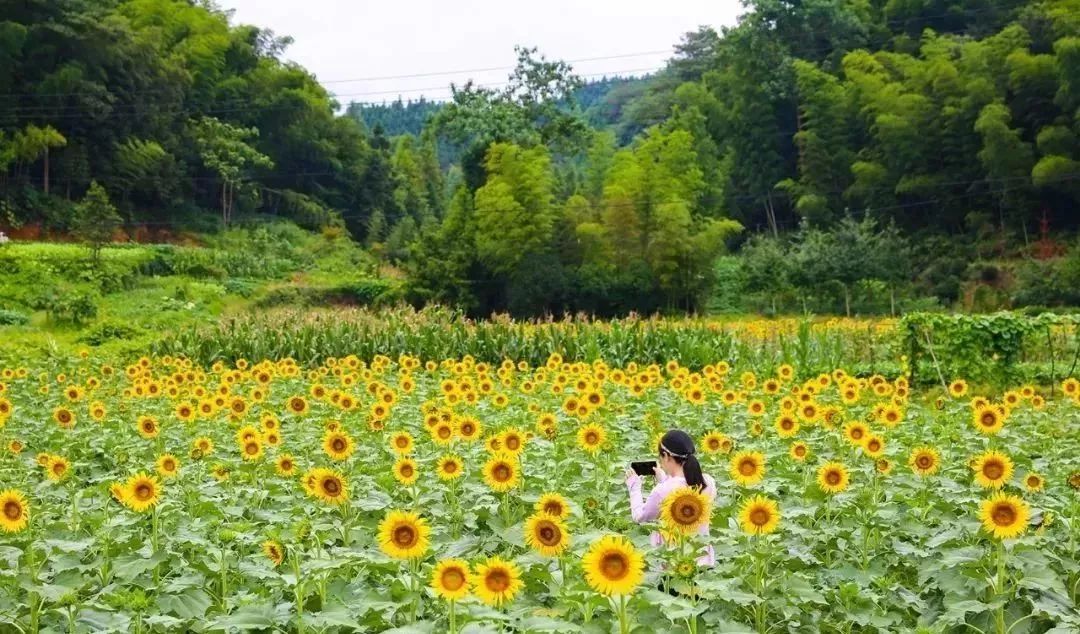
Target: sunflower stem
[[999, 616], [453, 617]]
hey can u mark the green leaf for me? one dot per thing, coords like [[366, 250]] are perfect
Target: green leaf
[[248, 617], [191, 604]]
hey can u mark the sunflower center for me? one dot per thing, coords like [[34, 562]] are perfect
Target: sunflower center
[[714, 444], [405, 536], [856, 433], [338, 444], [512, 443], [331, 486], [467, 429], [687, 511], [12, 510], [502, 472], [800, 451], [759, 517], [497, 580], [993, 470], [924, 462], [833, 478], [251, 449], [444, 432], [144, 491], [169, 465], [1004, 515], [554, 508], [450, 467], [406, 471], [614, 566], [591, 438], [747, 467], [1032, 481], [402, 442], [548, 534], [873, 445], [787, 424], [988, 419], [59, 468], [453, 579]]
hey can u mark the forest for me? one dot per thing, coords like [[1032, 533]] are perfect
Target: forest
[[832, 156]]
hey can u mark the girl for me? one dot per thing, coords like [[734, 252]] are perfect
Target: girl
[[677, 467]]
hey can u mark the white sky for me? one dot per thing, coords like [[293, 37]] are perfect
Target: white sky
[[345, 40]]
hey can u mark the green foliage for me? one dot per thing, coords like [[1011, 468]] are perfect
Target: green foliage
[[10, 317], [95, 219]]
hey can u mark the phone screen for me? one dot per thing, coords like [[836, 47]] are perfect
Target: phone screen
[[643, 467]]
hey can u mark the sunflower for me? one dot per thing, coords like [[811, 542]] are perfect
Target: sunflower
[[338, 445], [1074, 480], [285, 465], [220, 471], [832, 477], [57, 468], [883, 466], [148, 427], [251, 450], [14, 511], [330, 486], [799, 451], [496, 581], [712, 442], [404, 535], [759, 515], [468, 429], [204, 445], [450, 579], [15, 446], [591, 437], [874, 446], [401, 443], [924, 461], [1004, 516], [405, 471], [298, 405], [685, 510], [142, 492], [449, 468], [552, 504], [546, 534], [613, 566], [1033, 482], [501, 473], [856, 433], [988, 419], [64, 417], [513, 441], [273, 551], [992, 469], [167, 465], [748, 467], [786, 425], [958, 388], [891, 415], [442, 433]]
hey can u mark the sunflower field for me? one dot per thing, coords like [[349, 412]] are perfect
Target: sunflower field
[[452, 495]]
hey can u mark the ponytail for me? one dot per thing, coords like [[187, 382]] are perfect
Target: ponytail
[[680, 446], [692, 472]]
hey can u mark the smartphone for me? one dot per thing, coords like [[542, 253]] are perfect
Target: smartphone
[[643, 467]]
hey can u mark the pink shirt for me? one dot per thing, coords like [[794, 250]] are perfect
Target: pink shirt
[[649, 509]]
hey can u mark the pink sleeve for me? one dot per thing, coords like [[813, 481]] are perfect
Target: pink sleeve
[[647, 510]]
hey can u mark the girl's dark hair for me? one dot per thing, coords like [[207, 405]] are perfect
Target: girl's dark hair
[[680, 446]]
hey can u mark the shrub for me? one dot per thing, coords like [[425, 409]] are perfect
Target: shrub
[[12, 318], [109, 331]]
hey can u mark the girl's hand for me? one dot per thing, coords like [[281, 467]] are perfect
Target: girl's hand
[[631, 477], [661, 475]]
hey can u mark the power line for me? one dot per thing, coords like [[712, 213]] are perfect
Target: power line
[[78, 111]]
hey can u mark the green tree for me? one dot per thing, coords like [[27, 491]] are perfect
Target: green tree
[[95, 220], [224, 150]]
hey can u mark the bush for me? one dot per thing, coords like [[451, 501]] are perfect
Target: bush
[[109, 331], [12, 318]]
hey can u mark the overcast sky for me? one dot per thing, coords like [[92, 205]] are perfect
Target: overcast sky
[[378, 41]]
